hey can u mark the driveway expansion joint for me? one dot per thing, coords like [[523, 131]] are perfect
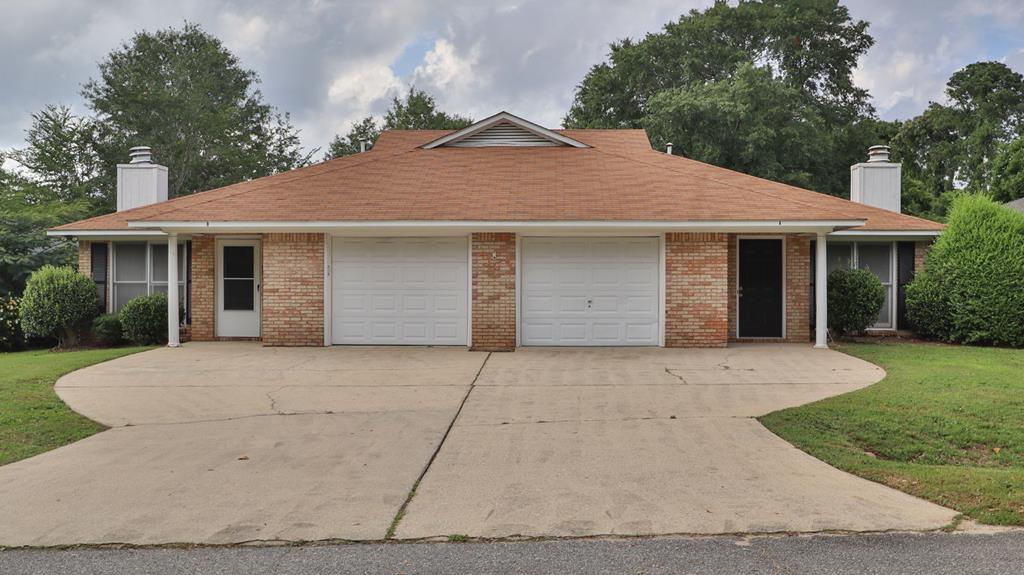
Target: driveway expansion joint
[[390, 535]]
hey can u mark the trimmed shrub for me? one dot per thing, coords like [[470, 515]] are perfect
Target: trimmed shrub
[[11, 337], [972, 287], [58, 301], [854, 299], [106, 330], [144, 319], [928, 307]]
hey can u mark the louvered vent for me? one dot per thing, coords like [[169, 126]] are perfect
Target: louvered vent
[[503, 134]]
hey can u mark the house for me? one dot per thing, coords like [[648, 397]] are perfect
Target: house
[[499, 235]]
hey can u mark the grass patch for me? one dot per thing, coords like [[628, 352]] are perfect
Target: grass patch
[[946, 424], [32, 418]]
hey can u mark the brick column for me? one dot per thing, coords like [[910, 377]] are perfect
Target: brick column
[[292, 312], [798, 288], [202, 297], [494, 291], [85, 257], [732, 265], [920, 251], [696, 290]]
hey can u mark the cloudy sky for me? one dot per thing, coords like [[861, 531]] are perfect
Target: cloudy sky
[[331, 62]]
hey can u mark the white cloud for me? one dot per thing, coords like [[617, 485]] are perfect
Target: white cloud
[[244, 34], [330, 62]]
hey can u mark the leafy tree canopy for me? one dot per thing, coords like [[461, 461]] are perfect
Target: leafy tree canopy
[[810, 45], [26, 210], [184, 94], [416, 111], [969, 143], [61, 155], [764, 87]]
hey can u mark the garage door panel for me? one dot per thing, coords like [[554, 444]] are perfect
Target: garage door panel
[[394, 291], [572, 332], [642, 304], [641, 332], [590, 291]]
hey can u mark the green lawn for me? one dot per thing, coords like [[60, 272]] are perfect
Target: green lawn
[[32, 418], [946, 424]]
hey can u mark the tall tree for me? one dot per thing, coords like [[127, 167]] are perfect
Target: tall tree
[[811, 45], [734, 84], [968, 143], [365, 131], [26, 210], [416, 111], [1007, 174], [61, 156], [189, 98], [751, 122]]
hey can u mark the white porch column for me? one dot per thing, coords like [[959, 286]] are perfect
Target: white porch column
[[173, 321], [821, 293]]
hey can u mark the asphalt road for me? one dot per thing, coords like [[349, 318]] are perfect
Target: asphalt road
[[887, 554]]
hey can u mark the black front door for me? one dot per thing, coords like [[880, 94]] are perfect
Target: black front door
[[760, 288]]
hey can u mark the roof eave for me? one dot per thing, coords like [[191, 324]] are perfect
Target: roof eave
[[533, 226], [106, 233]]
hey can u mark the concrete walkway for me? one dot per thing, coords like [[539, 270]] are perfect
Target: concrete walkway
[[232, 442]]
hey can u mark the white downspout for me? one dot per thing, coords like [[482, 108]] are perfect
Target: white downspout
[[173, 321], [821, 293]]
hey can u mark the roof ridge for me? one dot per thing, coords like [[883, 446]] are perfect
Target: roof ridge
[[727, 184]]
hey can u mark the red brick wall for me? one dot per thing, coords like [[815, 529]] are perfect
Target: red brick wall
[[202, 297], [697, 290], [494, 291], [798, 288], [920, 251], [293, 290], [85, 257]]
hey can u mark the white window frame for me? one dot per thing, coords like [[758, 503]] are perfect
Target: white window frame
[[890, 286], [149, 282]]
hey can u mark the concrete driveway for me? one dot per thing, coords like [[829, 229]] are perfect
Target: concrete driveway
[[232, 442]]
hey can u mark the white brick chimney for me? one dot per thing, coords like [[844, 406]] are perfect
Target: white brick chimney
[[140, 182], [877, 181]]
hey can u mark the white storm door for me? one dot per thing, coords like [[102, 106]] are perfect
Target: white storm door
[[590, 291], [400, 291], [238, 288]]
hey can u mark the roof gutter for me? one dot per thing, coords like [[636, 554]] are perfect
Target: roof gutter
[[105, 233], [509, 226]]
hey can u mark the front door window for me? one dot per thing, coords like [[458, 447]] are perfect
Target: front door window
[[238, 288], [239, 278]]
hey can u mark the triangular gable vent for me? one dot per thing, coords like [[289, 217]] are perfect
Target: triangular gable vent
[[503, 134], [504, 130]]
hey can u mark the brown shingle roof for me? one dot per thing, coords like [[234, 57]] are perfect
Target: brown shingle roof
[[618, 178]]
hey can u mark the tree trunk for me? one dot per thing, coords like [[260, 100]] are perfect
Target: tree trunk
[[68, 337]]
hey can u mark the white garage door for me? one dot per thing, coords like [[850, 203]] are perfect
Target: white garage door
[[399, 291], [590, 291]]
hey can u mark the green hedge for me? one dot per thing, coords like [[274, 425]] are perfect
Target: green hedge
[[144, 319], [854, 300], [106, 330], [971, 289], [11, 337], [58, 301]]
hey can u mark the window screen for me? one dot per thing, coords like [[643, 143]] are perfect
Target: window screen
[[876, 258], [839, 256], [131, 263], [141, 269]]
